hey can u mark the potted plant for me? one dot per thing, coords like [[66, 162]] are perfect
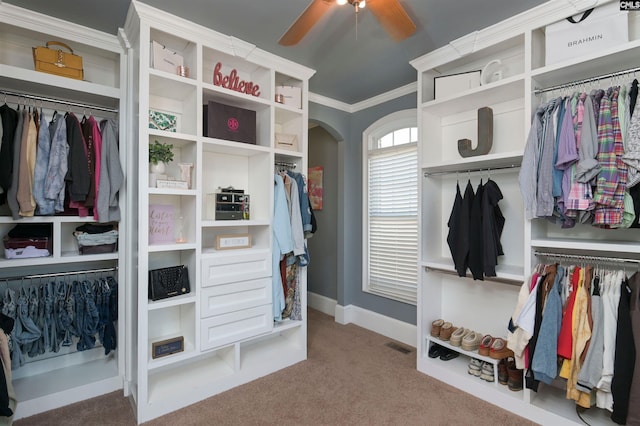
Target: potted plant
[[159, 155]]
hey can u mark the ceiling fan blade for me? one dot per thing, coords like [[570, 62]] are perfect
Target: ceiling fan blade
[[393, 18], [305, 22]]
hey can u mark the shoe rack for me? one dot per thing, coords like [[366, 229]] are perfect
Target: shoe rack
[[486, 305]]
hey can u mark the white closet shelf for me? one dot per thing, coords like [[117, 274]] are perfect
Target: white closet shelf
[[578, 245], [181, 139], [175, 77], [456, 370], [222, 146], [170, 191], [73, 256], [553, 399], [49, 85], [616, 58], [66, 385], [48, 219], [157, 248], [173, 388], [490, 94], [183, 299], [234, 223], [70, 258], [482, 162], [509, 273], [287, 110], [242, 100]]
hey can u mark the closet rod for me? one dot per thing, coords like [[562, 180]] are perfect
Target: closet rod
[[591, 258], [586, 80], [58, 101], [60, 274], [483, 169]]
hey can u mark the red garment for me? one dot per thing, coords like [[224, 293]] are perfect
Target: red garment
[[565, 338], [532, 287]]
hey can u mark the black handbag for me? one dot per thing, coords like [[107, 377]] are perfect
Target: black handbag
[[168, 282]]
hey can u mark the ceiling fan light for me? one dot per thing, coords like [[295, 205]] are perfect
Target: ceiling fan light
[[362, 4], [341, 2]]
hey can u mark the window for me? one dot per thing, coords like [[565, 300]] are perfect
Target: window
[[390, 180]]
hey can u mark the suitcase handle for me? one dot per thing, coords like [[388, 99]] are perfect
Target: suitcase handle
[[59, 43]]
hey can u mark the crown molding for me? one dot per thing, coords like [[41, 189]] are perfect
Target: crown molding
[[34, 21], [329, 102], [385, 97], [367, 103], [537, 17]]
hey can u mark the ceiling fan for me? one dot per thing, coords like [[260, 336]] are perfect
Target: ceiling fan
[[390, 13]]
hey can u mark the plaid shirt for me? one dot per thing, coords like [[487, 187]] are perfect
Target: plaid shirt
[[612, 179]]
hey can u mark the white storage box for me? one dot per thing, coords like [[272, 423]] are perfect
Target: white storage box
[[290, 95], [286, 141], [602, 28], [165, 59], [449, 85]]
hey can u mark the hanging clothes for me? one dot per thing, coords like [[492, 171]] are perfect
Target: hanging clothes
[[625, 358], [633, 413], [111, 176], [476, 244], [460, 231], [591, 143], [282, 244], [544, 363], [9, 119], [44, 206], [492, 225], [12, 192]]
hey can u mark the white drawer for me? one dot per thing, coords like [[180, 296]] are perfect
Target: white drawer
[[229, 267], [223, 298], [223, 329]]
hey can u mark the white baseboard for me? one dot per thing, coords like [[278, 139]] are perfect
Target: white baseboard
[[321, 303], [381, 324]]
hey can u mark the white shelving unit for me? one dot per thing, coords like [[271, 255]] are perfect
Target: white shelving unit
[[52, 380], [226, 319], [486, 306]]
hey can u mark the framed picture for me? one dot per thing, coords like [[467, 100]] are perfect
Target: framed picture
[[167, 347], [315, 187], [161, 224], [233, 241], [164, 120]]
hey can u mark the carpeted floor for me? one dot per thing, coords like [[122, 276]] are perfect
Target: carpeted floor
[[351, 377]]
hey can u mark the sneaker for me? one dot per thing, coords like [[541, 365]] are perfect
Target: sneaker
[[487, 372], [499, 349], [458, 335], [475, 367], [471, 341], [485, 345]]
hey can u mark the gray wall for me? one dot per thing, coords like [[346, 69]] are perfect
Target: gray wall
[[322, 273], [347, 129]]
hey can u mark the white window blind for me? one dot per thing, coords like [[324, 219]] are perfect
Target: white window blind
[[393, 221]]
